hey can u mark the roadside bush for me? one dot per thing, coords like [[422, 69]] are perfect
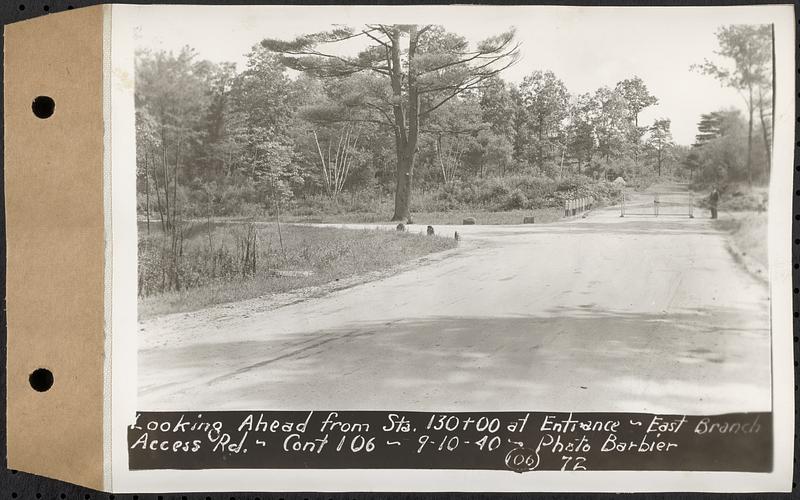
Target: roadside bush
[[512, 192], [581, 186], [445, 199], [371, 200], [745, 201], [204, 254], [526, 192], [516, 200]]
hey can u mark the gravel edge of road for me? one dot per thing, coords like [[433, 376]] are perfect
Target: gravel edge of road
[[753, 268]]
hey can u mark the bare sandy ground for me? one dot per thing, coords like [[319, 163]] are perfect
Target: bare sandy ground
[[601, 313]]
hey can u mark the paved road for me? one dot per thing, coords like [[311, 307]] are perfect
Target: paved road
[[600, 313]]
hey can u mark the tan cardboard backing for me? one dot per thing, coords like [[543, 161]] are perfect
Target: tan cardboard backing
[[54, 228]]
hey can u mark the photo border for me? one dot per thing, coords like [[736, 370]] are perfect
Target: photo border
[[26, 484]]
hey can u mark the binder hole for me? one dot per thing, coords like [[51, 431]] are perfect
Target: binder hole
[[43, 106], [21, 6], [47, 8], [41, 379]]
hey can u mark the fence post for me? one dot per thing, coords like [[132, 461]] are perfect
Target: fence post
[[622, 206]]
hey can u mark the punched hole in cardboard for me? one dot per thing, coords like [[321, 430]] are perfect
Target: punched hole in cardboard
[[43, 106], [41, 379]]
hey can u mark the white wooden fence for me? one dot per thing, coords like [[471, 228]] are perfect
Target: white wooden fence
[[578, 206]]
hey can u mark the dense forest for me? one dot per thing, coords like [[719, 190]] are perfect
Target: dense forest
[[419, 122], [418, 110]]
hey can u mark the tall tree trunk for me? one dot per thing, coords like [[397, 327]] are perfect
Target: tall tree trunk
[[660, 159], [773, 83], [765, 132], [539, 146], [175, 214], [402, 197], [158, 193], [147, 193], [406, 139], [166, 184], [750, 138]]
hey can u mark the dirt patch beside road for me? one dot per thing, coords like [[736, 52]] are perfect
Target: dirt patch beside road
[[747, 240]]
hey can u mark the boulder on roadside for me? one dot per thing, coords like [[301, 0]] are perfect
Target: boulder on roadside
[[469, 221]]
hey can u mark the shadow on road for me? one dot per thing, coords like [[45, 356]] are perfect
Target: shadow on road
[[457, 363]]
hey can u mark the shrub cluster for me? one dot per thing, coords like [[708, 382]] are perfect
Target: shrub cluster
[[738, 201], [520, 192], [513, 192], [195, 255]]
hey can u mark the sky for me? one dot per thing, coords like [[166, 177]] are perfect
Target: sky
[[587, 47]]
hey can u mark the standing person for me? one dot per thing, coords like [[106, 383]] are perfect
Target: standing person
[[714, 200]]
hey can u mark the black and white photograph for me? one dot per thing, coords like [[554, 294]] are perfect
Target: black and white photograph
[[517, 239]]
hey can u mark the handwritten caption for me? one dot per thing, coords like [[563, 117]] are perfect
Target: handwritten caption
[[514, 441]]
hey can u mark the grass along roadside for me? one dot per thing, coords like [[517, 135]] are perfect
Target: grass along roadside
[[217, 266], [747, 238]]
